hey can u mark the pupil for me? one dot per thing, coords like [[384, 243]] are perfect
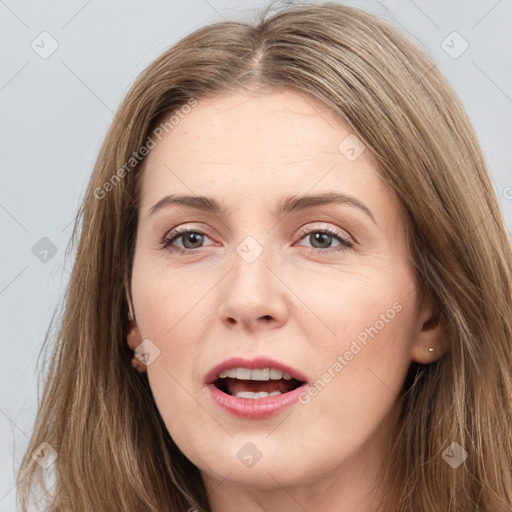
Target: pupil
[[320, 235], [192, 236]]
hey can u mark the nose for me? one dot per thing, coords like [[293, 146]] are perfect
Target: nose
[[253, 295]]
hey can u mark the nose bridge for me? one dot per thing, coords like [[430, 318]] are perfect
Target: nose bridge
[[252, 290], [251, 276]]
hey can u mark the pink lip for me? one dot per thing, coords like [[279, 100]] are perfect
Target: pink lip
[[253, 408], [251, 364]]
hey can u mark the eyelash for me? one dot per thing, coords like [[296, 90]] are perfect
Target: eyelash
[[345, 244]]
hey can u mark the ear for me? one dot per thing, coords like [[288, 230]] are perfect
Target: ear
[[430, 333], [133, 338]]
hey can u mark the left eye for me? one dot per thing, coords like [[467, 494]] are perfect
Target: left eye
[[325, 237]]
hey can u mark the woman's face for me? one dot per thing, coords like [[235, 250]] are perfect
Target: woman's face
[[274, 275]]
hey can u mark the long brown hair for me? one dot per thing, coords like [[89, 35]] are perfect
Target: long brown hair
[[113, 450]]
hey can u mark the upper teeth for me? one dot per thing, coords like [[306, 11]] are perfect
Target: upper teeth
[[260, 374]]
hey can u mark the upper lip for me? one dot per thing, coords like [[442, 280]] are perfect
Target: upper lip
[[251, 364]]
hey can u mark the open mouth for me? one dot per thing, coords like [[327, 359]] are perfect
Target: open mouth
[[256, 383]]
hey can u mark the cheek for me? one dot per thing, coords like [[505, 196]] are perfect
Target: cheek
[[358, 378], [175, 311], [364, 337], [165, 299], [351, 304]]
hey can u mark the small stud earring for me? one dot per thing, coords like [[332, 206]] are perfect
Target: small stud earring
[[431, 349]]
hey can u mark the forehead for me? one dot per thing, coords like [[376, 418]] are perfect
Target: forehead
[[257, 144], [249, 122]]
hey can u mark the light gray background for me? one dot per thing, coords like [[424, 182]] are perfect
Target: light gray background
[[55, 113]]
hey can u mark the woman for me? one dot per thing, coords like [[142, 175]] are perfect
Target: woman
[[276, 372]]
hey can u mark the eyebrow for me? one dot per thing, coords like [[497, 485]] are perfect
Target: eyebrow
[[288, 205]]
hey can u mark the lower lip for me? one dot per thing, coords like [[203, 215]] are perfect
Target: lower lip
[[255, 408]]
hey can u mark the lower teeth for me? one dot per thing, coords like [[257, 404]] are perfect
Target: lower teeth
[[261, 394]]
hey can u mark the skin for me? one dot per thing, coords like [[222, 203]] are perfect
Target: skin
[[301, 307]]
